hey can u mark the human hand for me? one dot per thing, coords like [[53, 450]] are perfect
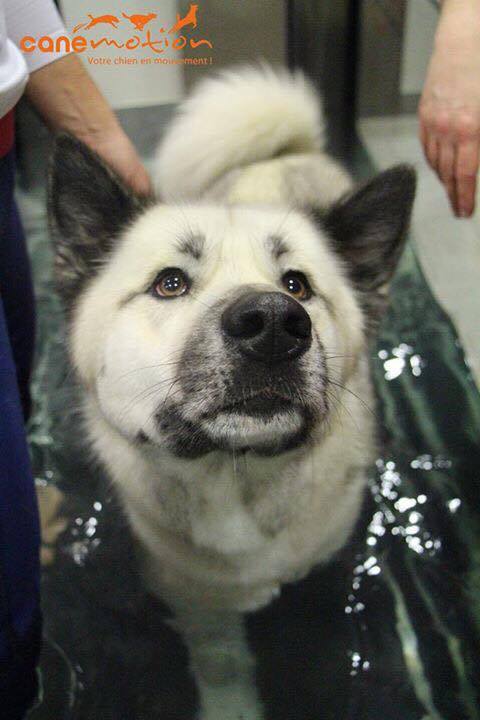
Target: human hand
[[115, 148], [68, 100], [449, 110]]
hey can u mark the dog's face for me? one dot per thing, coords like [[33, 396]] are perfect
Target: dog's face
[[217, 328], [211, 328]]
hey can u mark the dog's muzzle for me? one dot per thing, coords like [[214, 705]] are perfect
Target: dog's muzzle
[[252, 377]]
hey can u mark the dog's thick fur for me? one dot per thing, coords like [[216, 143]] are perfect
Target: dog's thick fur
[[228, 500]]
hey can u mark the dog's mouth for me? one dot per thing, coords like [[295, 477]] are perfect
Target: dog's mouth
[[265, 421], [264, 403]]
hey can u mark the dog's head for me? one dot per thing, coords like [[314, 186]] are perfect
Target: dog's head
[[199, 327]]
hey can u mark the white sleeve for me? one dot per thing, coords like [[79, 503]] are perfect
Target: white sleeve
[[35, 18]]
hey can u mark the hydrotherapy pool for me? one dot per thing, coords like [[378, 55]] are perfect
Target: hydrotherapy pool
[[390, 629]]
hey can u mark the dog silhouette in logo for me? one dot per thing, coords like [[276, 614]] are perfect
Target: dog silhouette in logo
[[111, 20], [189, 19], [139, 21]]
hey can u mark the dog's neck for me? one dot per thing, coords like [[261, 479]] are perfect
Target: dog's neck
[[212, 501], [222, 502]]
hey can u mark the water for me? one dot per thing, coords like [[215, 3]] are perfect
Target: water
[[389, 629]]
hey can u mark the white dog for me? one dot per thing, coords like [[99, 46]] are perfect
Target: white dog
[[220, 334]]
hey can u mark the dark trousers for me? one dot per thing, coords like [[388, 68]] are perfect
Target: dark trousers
[[19, 525]]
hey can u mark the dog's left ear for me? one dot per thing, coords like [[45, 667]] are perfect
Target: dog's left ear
[[88, 207], [368, 229]]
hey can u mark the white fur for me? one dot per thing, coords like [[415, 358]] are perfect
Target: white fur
[[237, 117], [221, 533]]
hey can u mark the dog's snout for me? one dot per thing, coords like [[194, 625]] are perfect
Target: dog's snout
[[268, 326]]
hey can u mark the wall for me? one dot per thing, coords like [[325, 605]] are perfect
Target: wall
[[420, 24], [242, 31], [127, 86]]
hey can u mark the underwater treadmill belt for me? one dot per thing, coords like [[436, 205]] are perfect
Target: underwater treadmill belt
[[391, 625]]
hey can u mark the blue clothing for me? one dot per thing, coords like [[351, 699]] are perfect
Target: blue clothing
[[19, 524]]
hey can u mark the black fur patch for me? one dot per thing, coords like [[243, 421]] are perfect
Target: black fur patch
[[192, 245], [368, 228], [184, 438], [187, 440], [88, 207], [278, 246]]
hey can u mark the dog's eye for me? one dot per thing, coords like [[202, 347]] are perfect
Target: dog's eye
[[171, 283], [297, 285]]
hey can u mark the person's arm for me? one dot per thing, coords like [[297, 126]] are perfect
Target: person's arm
[[65, 95], [449, 110], [68, 99]]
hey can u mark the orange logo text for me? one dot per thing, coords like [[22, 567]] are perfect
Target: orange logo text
[[154, 38]]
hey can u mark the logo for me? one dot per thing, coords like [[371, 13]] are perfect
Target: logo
[[130, 33]]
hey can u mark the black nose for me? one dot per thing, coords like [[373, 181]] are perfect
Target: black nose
[[268, 326]]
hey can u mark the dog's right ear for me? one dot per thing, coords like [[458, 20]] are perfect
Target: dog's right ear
[[88, 207]]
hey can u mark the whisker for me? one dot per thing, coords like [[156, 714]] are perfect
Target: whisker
[[149, 392], [346, 389], [147, 367], [169, 394], [337, 401]]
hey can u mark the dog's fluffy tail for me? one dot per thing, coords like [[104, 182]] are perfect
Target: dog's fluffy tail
[[238, 117]]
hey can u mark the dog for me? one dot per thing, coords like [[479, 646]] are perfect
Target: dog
[[189, 19], [220, 333], [107, 19], [139, 21]]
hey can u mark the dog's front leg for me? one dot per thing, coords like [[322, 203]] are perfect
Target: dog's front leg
[[222, 664]]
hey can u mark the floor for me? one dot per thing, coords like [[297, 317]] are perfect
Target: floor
[[448, 248]]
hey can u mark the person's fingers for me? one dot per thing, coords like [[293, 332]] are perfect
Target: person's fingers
[[466, 167], [451, 189], [432, 151], [446, 170], [140, 181], [115, 148], [422, 133], [465, 193], [446, 161]]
